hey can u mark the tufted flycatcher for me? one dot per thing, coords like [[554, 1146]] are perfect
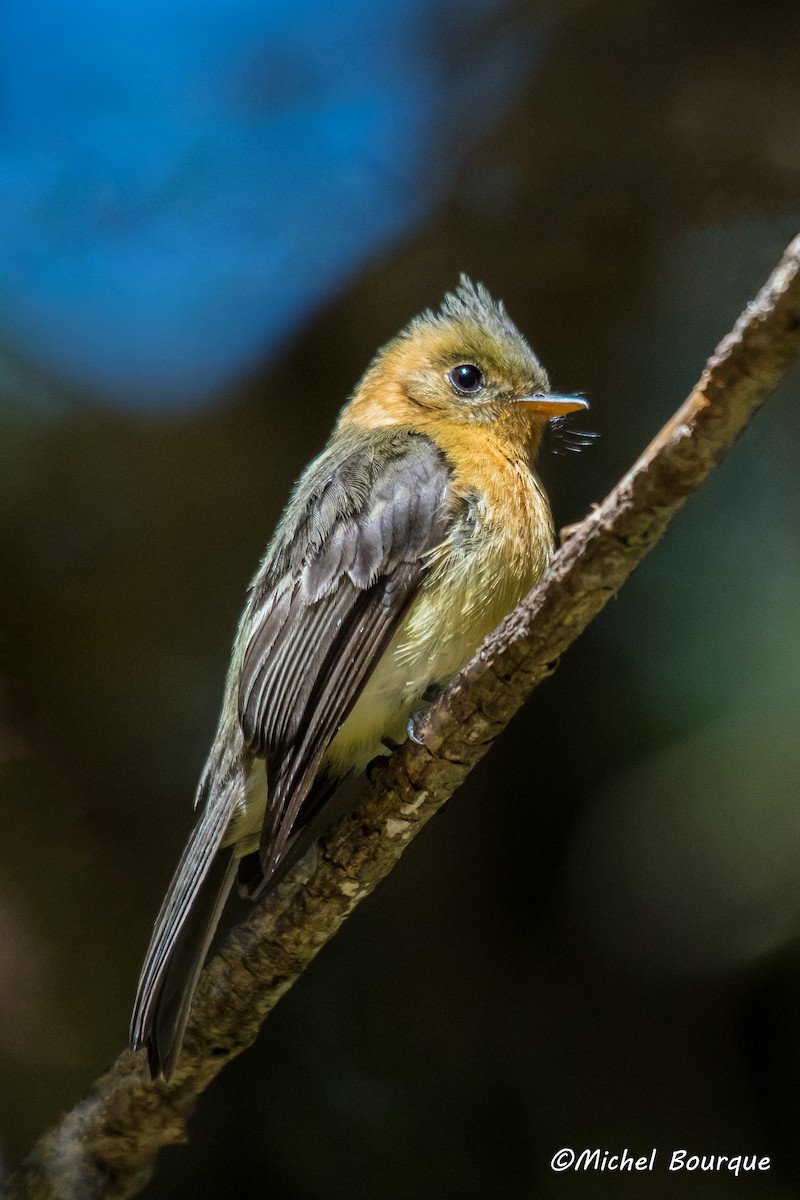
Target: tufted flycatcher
[[419, 526]]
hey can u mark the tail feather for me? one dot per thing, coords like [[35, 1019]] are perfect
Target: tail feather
[[181, 937]]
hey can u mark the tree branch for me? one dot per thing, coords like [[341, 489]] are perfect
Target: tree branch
[[106, 1146]]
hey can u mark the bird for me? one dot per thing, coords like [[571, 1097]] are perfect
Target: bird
[[404, 543]]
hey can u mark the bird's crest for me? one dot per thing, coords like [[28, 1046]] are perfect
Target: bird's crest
[[472, 304]]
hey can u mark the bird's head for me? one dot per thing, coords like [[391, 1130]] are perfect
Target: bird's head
[[466, 364]]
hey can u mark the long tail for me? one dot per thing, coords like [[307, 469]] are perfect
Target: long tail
[[181, 937]]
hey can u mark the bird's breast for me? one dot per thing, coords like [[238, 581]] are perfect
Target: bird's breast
[[498, 546]]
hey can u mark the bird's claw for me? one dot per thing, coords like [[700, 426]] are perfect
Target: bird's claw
[[414, 727]]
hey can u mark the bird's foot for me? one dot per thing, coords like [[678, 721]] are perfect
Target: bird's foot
[[414, 727], [417, 719]]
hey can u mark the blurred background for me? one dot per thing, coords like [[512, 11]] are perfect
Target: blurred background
[[211, 214]]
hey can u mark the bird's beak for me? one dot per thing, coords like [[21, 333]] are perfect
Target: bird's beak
[[551, 405]]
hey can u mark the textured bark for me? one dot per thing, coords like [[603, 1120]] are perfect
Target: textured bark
[[106, 1146]]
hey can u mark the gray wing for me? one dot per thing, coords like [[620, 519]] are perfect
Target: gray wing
[[347, 574]]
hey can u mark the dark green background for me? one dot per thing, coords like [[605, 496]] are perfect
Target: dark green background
[[597, 943]]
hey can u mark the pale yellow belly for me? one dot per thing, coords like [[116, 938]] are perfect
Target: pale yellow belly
[[463, 602]]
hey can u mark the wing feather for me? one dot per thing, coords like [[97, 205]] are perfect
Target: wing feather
[[343, 578]]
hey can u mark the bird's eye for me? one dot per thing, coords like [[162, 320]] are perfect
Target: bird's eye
[[466, 378]]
